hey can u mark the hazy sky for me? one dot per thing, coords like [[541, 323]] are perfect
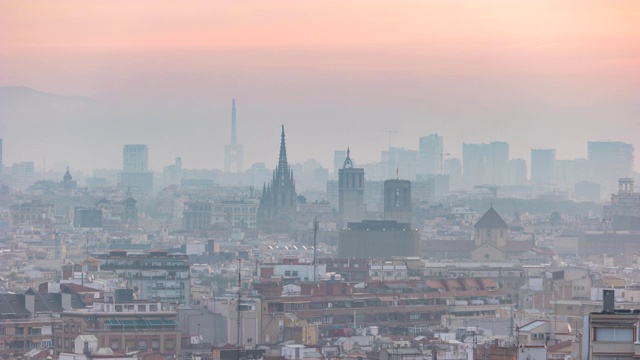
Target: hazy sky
[[534, 73]]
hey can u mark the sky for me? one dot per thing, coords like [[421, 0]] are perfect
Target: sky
[[535, 73]]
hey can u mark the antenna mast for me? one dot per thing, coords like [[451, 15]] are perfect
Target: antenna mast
[[315, 247]]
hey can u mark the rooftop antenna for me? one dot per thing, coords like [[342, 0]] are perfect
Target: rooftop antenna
[[315, 247], [390, 132]]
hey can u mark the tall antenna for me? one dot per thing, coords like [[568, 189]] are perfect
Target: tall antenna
[[239, 322], [315, 247], [234, 139], [390, 132]]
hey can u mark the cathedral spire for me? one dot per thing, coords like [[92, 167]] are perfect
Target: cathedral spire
[[282, 161]]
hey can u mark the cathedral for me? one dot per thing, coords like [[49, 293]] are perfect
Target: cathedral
[[278, 202]]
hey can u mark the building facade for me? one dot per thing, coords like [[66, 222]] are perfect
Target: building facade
[[351, 191]]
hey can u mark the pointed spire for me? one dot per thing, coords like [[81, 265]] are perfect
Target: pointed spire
[[348, 164], [282, 161]]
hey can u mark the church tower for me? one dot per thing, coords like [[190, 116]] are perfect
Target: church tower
[[351, 191], [278, 202]]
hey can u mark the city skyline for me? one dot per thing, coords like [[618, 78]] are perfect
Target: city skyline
[[345, 76]]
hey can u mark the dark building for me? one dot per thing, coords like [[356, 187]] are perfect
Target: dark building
[[397, 200], [378, 239], [351, 191], [277, 207], [68, 182], [130, 213], [87, 218], [624, 210]]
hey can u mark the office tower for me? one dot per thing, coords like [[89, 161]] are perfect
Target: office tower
[[233, 153], [571, 172], [401, 163], [517, 172], [430, 154], [453, 168], [172, 174], [23, 173], [351, 191], [338, 161], [278, 202], [474, 164], [498, 163], [609, 161], [543, 166], [135, 158], [135, 168], [397, 200], [485, 163]]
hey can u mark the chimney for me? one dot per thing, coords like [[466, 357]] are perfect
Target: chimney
[[609, 301]]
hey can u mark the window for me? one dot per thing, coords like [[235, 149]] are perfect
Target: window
[[327, 319], [613, 334], [155, 344], [115, 345], [170, 344], [142, 344], [249, 340]]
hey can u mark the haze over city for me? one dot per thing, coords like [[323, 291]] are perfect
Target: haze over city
[[531, 73]]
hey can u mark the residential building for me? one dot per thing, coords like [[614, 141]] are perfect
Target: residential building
[[155, 275]]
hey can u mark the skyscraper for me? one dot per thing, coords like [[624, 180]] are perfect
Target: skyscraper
[[430, 154], [233, 153], [277, 208], [135, 168], [485, 163], [135, 158], [517, 172], [351, 191], [609, 161], [543, 166]]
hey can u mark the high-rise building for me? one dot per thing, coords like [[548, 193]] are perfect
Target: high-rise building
[[233, 153], [338, 161], [485, 163], [277, 208], [135, 168], [517, 172], [453, 168], [498, 163], [609, 161], [400, 163], [571, 172], [543, 166], [135, 158], [430, 154], [23, 173], [351, 191]]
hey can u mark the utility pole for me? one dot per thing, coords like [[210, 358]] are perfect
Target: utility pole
[[239, 322], [315, 248]]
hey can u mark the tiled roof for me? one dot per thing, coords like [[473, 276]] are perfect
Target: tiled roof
[[491, 220]]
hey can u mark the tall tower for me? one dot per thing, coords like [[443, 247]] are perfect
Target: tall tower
[[397, 200], [351, 191], [277, 208], [233, 153]]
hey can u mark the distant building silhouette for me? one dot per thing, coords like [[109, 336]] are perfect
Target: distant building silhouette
[[233, 153], [351, 191], [278, 202], [609, 161], [430, 154], [543, 166], [135, 168], [485, 164]]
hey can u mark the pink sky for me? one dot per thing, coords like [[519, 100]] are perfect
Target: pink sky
[[562, 53]]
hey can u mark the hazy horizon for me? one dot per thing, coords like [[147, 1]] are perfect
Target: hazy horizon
[[532, 73]]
